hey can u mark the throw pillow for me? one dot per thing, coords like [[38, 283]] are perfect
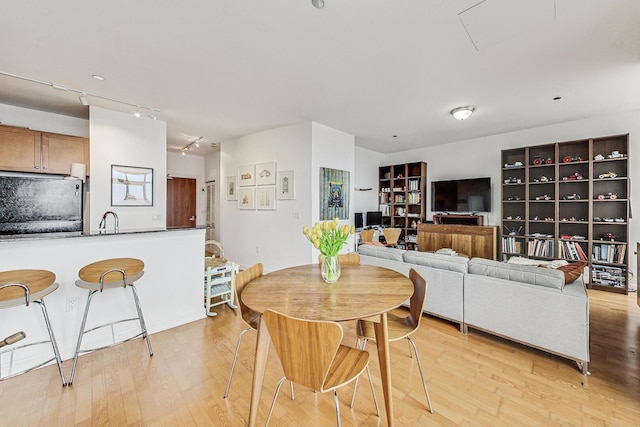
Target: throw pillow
[[571, 271]]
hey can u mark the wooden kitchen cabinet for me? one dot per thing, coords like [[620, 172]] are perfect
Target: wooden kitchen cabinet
[[25, 150]]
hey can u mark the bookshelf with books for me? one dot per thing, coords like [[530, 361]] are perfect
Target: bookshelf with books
[[570, 200], [402, 199]]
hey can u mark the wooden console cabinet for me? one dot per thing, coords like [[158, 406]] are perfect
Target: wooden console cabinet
[[458, 219], [473, 240], [24, 150]]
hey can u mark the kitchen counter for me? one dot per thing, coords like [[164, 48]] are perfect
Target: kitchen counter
[[171, 290], [65, 235]]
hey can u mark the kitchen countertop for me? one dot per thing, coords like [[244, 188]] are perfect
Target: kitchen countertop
[[94, 233]]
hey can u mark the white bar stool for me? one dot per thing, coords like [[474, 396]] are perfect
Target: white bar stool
[[22, 287], [110, 274]]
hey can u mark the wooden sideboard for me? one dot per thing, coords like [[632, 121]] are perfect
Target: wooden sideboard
[[474, 240]]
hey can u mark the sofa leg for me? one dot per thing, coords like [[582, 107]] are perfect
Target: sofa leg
[[464, 329], [583, 366]]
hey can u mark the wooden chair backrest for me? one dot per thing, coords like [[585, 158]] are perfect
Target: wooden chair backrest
[[242, 278], [367, 235], [416, 302], [352, 258], [391, 235], [306, 348]]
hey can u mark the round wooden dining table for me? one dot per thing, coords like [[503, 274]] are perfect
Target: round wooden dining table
[[362, 291]]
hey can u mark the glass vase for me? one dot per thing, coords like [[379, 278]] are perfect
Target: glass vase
[[330, 269]]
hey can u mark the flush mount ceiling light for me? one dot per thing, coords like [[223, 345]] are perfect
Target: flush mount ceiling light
[[318, 3], [462, 113]]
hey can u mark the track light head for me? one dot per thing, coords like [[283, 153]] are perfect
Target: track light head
[[83, 99]]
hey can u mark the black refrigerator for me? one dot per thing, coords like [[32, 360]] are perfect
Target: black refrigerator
[[40, 205]]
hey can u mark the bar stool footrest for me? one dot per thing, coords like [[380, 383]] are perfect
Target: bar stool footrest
[[139, 334], [12, 350]]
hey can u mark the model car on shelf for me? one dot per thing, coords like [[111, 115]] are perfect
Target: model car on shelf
[[574, 176], [607, 175], [571, 197], [611, 196], [512, 180], [610, 236], [539, 160], [543, 197], [543, 178], [513, 165], [616, 155], [514, 198], [619, 220], [569, 159]]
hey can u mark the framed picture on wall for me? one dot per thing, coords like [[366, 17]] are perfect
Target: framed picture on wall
[[286, 185], [266, 173], [246, 176], [266, 198], [247, 199], [131, 186], [232, 188]]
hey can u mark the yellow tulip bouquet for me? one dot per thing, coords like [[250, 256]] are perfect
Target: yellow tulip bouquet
[[328, 237]]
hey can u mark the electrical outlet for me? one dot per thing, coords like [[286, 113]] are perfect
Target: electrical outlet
[[72, 304]]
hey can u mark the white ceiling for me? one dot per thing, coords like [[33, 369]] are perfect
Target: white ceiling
[[372, 68]]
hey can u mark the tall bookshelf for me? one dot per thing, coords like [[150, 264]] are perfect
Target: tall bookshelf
[[402, 199], [570, 200]]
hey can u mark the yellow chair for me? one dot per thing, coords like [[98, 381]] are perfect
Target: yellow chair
[[367, 235], [311, 355], [104, 275], [400, 327], [22, 287], [391, 235]]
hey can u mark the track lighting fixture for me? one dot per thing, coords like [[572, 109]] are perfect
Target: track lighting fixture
[[83, 95], [187, 147]]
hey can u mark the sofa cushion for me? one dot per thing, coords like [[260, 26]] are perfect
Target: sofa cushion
[[381, 252], [538, 276], [443, 262]]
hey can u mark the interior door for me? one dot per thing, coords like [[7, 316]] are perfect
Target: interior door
[[181, 202]]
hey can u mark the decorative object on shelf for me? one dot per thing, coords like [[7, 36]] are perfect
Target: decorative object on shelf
[[131, 186], [607, 175], [569, 159], [574, 176], [611, 196], [329, 237], [334, 194], [286, 185]]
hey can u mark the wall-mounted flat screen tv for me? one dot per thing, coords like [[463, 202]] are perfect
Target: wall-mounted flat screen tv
[[461, 195]]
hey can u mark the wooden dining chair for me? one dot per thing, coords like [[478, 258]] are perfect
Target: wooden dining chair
[[391, 235], [351, 258], [311, 355], [367, 235], [400, 327]]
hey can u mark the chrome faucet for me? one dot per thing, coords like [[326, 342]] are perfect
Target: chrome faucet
[[103, 222]]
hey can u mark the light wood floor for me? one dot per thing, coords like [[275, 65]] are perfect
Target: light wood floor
[[474, 380]]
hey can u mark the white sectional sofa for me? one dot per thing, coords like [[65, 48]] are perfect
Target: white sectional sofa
[[527, 304]]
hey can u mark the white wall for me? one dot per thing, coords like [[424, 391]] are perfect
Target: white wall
[[123, 139], [366, 176], [42, 121], [482, 157], [272, 237], [189, 166]]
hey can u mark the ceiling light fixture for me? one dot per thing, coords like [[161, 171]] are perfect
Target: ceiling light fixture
[[83, 95], [462, 113], [319, 4], [187, 147], [98, 77]]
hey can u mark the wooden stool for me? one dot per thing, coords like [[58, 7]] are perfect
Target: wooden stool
[[22, 287], [110, 274]]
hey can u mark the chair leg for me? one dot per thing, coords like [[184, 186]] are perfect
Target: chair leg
[[424, 383], [335, 398], [361, 343], [82, 326], [275, 396], [54, 344], [143, 325], [235, 358]]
